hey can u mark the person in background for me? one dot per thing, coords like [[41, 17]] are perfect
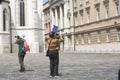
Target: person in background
[[54, 41], [21, 53]]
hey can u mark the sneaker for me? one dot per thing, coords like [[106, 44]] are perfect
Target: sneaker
[[22, 70], [51, 76], [57, 76]]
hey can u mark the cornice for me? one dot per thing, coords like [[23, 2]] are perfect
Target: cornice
[[105, 1], [116, 0], [26, 28], [6, 1], [97, 29], [56, 3], [103, 20], [100, 28]]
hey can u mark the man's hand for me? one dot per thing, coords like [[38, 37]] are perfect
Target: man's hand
[[61, 38]]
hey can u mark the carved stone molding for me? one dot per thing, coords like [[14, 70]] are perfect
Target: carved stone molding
[[4, 1], [116, 0], [105, 1]]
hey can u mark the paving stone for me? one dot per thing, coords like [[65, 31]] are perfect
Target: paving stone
[[72, 67]]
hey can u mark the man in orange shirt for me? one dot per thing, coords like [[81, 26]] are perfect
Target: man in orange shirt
[[54, 42]]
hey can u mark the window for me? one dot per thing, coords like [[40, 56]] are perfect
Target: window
[[87, 2], [88, 16], [82, 17], [69, 21], [107, 11], [76, 20], [46, 30], [4, 19], [117, 9], [99, 36], [76, 39], [89, 38], [108, 35], [81, 1], [49, 27], [70, 40], [98, 13], [118, 34], [46, 16], [22, 13], [82, 38]]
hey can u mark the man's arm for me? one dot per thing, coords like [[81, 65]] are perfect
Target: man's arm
[[17, 41], [61, 39]]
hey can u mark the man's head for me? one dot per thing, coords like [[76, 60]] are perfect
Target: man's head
[[57, 35], [51, 34], [18, 37]]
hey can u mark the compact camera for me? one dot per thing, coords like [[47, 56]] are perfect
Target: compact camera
[[56, 35]]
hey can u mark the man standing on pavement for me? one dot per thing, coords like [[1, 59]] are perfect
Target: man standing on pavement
[[21, 53], [54, 42]]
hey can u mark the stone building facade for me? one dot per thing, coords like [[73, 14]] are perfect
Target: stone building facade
[[23, 18], [97, 25], [4, 26], [55, 13], [88, 26]]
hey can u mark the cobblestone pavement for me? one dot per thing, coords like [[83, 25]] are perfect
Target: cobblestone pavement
[[72, 67]]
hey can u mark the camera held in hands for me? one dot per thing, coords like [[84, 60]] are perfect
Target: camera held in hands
[[56, 35]]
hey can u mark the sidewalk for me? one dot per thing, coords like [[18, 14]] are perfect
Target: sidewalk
[[72, 67]]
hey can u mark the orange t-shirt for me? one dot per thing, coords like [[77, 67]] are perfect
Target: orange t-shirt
[[54, 43]]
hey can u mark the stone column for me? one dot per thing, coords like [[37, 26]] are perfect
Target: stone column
[[61, 24], [61, 17], [119, 6], [65, 15], [1, 18], [52, 17], [56, 17]]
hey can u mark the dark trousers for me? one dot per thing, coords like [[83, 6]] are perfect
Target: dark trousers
[[119, 74], [21, 61], [54, 62]]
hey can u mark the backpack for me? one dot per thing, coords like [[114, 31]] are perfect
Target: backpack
[[26, 46]]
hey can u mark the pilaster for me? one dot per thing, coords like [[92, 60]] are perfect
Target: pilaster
[[1, 18], [56, 17], [61, 17], [52, 15], [65, 16]]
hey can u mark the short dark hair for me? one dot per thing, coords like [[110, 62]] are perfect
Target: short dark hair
[[51, 34], [18, 37]]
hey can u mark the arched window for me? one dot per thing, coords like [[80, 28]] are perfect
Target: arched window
[[22, 13], [4, 19]]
